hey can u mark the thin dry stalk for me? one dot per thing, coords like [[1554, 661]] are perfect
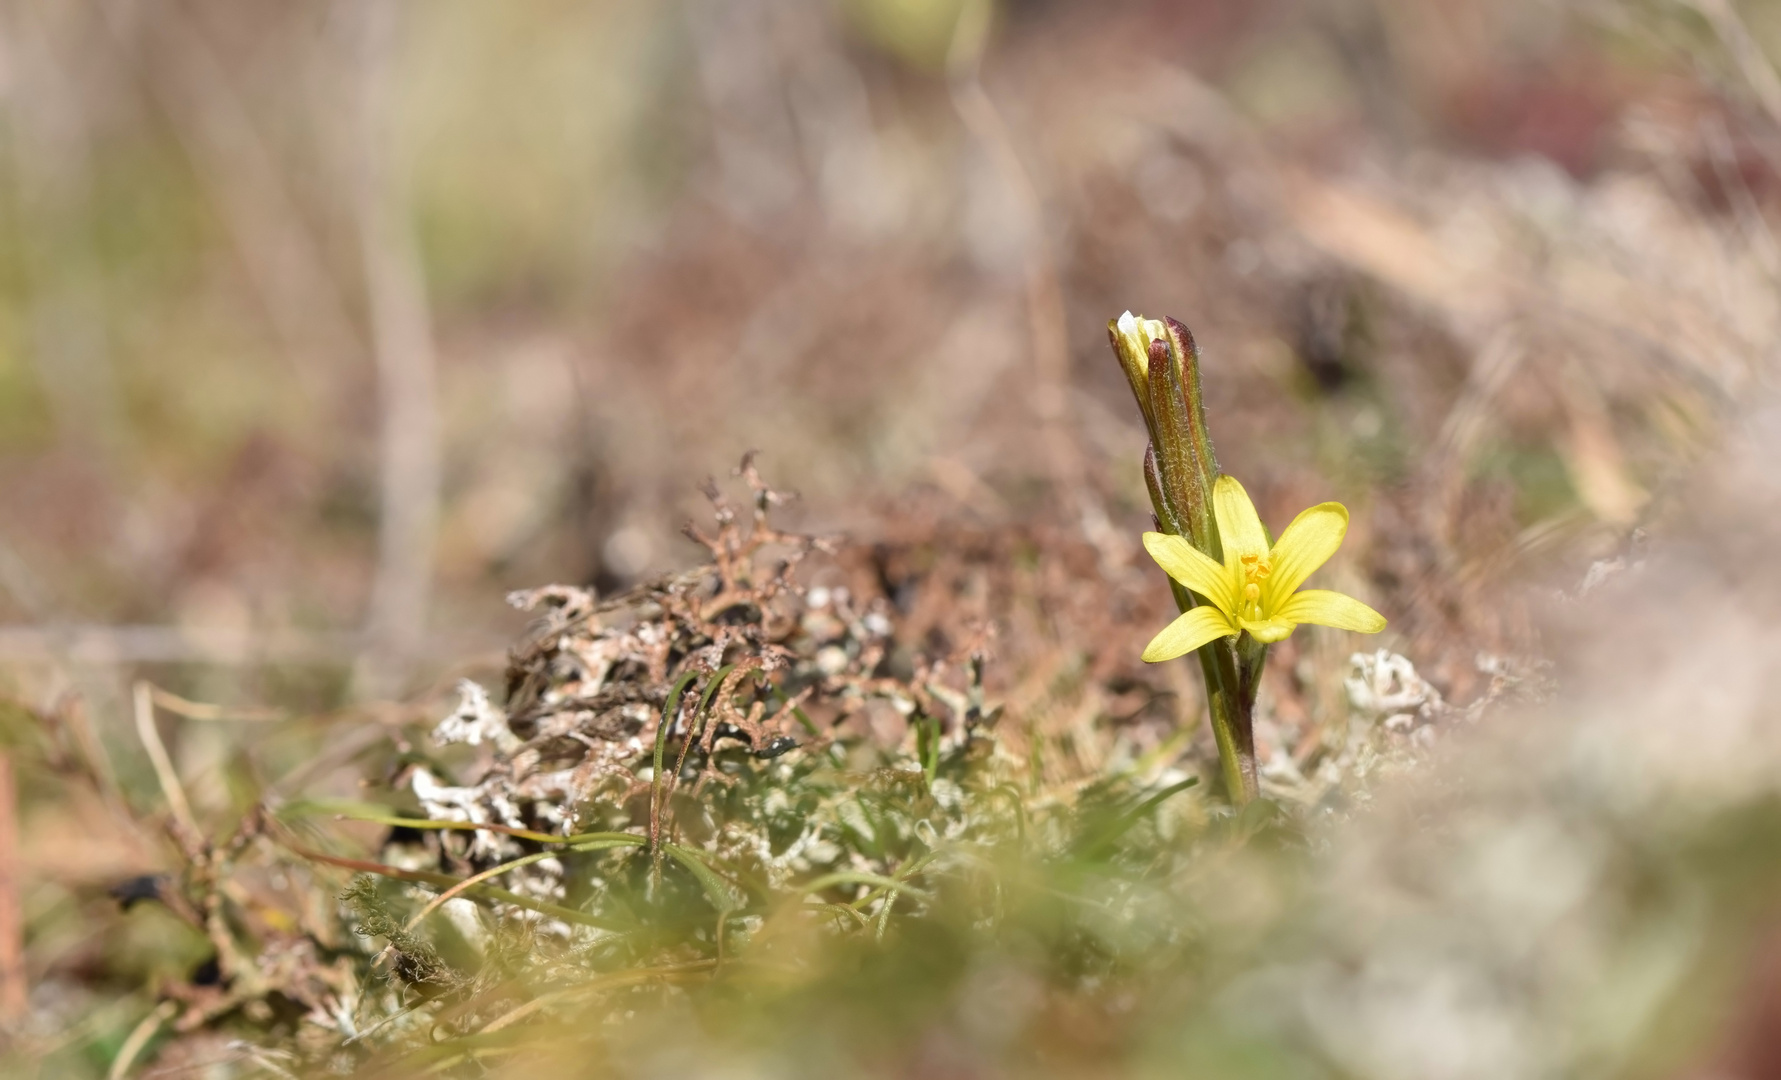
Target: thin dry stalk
[[471, 882], [1044, 295], [284, 263], [402, 343], [1752, 63], [51, 177], [14, 989], [185, 824], [615, 981], [138, 1040], [198, 710], [72, 710], [126, 646]]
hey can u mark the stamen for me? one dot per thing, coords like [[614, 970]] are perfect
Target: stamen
[[1255, 571]]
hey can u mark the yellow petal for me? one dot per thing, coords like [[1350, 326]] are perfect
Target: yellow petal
[[1239, 529], [1268, 631], [1328, 608], [1194, 628], [1138, 332], [1306, 545], [1190, 566]]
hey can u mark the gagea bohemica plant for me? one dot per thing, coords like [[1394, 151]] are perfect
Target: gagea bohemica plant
[[1237, 587]]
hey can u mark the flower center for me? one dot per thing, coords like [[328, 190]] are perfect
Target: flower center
[[1255, 571]]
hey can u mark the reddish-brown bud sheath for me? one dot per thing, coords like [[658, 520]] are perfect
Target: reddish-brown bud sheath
[[1186, 354], [1188, 490]]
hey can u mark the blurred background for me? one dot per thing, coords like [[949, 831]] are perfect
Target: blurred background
[[324, 325]]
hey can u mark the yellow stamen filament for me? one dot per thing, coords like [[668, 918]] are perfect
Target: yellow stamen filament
[[1255, 571]]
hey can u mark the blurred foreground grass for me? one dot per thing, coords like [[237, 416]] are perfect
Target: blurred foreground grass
[[1124, 930]]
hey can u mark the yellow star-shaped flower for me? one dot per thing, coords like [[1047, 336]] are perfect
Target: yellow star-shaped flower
[[1257, 587]]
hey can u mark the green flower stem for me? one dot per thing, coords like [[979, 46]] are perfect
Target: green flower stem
[[1230, 725], [1232, 710]]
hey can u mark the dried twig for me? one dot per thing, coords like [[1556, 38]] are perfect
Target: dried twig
[[1044, 295], [51, 176], [186, 830], [1752, 63], [138, 1039], [285, 265], [402, 339], [198, 710], [125, 646], [13, 986], [72, 710]]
